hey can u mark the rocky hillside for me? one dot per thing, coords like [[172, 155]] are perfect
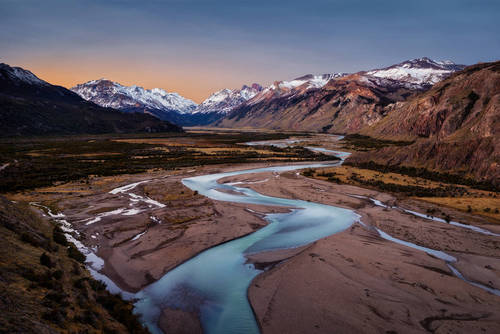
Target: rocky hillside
[[45, 288], [31, 106], [341, 105], [455, 126], [337, 103]]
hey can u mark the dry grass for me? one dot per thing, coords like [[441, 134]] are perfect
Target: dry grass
[[480, 202], [218, 150], [484, 206], [181, 141]]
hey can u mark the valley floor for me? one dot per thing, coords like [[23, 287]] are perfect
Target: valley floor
[[353, 281]]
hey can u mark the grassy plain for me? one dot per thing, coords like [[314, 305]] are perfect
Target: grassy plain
[[30, 163]]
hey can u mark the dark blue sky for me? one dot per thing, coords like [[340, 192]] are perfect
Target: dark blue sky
[[195, 47]]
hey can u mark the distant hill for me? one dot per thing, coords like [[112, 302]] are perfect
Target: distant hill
[[455, 126], [31, 106]]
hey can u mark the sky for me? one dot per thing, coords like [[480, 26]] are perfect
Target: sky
[[196, 47]]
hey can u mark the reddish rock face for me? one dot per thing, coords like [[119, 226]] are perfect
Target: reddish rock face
[[343, 105], [456, 125], [337, 103]]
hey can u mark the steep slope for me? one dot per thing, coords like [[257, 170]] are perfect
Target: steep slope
[[30, 106], [455, 125], [337, 103], [44, 287], [341, 105], [157, 102]]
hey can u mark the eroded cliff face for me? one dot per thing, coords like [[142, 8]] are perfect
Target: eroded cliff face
[[455, 125], [343, 105]]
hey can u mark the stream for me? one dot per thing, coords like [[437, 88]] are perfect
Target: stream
[[214, 283]]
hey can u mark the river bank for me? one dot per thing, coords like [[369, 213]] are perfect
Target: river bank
[[144, 240], [381, 286]]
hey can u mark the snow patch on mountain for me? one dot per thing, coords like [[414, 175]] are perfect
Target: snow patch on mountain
[[225, 100], [111, 94], [310, 81], [20, 74], [421, 71], [295, 86]]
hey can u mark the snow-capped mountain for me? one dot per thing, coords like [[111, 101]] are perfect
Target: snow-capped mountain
[[308, 81], [225, 100], [295, 86], [422, 72], [111, 94], [337, 103], [20, 75]]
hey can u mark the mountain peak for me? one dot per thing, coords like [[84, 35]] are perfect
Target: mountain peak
[[18, 74], [225, 100], [422, 72]]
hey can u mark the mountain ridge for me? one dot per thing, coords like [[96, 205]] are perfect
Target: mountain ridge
[[455, 126], [337, 103], [31, 106]]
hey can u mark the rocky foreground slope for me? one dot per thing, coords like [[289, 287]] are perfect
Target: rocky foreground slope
[[44, 286], [31, 106], [455, 126]]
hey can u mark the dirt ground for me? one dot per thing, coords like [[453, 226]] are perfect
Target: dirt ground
[[350, 282], [357, 282]]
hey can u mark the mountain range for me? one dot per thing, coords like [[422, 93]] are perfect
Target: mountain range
[[165, 106], [31, 106], [258, 106], [340, 103]]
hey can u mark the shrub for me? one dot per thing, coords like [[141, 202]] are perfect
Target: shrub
[[74, 253], [30, 239], [57, 274], [308, 172], [97, 285], [45, 260], [59, 237]]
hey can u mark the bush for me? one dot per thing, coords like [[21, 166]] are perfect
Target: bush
[[45, 260], [121, 311], [97, 285], [57, 274], [30, 239], [59, 237], [55, 316], [75, 254], [308, 172]]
